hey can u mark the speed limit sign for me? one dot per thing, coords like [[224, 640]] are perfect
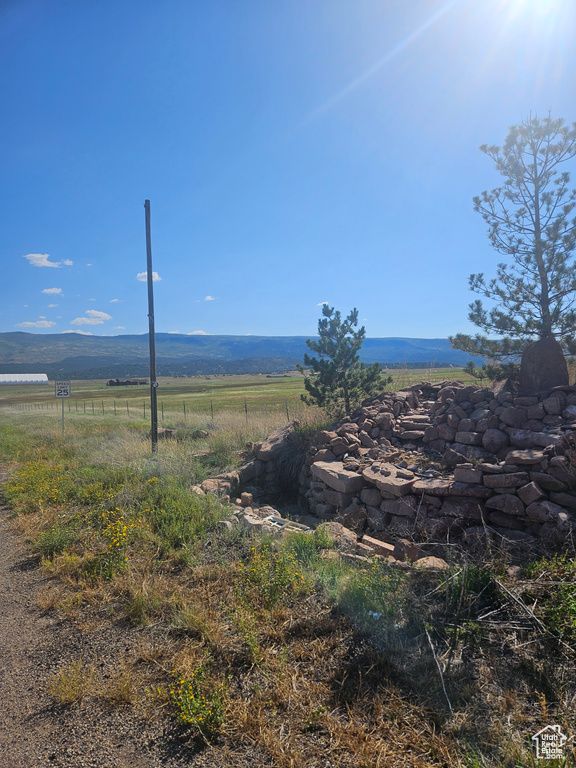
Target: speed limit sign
[[62, 389]]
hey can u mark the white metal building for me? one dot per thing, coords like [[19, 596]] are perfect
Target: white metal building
[[23, 378]]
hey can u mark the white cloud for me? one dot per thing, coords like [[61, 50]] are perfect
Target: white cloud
[[43, 260], [209, 298], [91, 299], [80, 333], [321, 303], [51, 306], [119, 328], [198, 333], [114, 301], [52, 290], [94, 317], [88, 265], [143, 277], [37, 324], [100, 315]]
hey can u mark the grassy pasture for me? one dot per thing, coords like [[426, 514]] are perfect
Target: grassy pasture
[[199, 394]]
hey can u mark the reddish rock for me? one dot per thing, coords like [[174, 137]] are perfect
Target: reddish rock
[[337, 499], [469, 509], [371, 496], [380, 547], [344, 538], [466, 473], [336, 477], [505, 521], [529, 456], [403, 507], [543, 366], [494, 440], [512, 480], [468, 438], [521, 438], [432, 563], [324, 454], [469, 489], [548, 482], [390, 480], [506, 502], [272, 447], [567, 500], [553, 405], [543, 511], [433, 487], [530, 493], [325, 437], [446, 433], [353, 517]]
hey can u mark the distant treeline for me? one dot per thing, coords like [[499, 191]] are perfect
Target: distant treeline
[[110, 368], [88, 367]]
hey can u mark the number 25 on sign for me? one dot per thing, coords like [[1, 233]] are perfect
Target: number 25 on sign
[[62, 390]]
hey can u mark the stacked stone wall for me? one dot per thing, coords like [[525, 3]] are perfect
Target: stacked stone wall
[[506, 462], [437, 461]]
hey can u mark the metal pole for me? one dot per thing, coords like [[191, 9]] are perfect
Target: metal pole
[[62, 417], [152, 340]]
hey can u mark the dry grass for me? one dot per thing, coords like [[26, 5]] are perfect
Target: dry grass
[[72, 682], [309, 679]]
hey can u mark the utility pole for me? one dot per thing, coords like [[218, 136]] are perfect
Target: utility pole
[[151, 336]]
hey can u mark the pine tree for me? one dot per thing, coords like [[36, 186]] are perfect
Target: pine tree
[[339, 381], [529, 220]]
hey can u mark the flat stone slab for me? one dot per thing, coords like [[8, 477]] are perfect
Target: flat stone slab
[[433, 487], [505, 480], [336, 477], [528, 456], [389, 480]]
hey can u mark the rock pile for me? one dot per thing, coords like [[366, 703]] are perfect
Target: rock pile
[[510, 461], [436, 461]]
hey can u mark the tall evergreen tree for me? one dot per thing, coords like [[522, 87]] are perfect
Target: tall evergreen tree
[[529, 220], [339, 381]]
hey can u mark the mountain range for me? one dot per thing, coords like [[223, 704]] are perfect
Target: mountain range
[[78, 356]]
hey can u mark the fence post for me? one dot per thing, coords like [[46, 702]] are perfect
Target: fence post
[[184, 404], [102, 407], [114, 406], [246, 410], [162, 409], [144, 404], [127, 408], [287, 413], [92, 407], [84, 401], [211, 410]]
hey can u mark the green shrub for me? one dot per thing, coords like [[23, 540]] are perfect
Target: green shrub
[[197, 704], [270, 575]]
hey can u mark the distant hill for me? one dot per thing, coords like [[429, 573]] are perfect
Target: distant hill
[[75, 356]]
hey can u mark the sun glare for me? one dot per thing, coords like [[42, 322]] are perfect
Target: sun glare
[[536, 7]]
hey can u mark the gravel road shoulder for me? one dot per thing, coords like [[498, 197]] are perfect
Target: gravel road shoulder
[[36, 731]]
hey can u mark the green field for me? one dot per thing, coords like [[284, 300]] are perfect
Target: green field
[[200, 395]]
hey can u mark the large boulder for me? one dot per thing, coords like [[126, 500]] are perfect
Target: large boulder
[[543, 366]]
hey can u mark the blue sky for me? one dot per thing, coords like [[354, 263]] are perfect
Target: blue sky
[[294, 152]]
